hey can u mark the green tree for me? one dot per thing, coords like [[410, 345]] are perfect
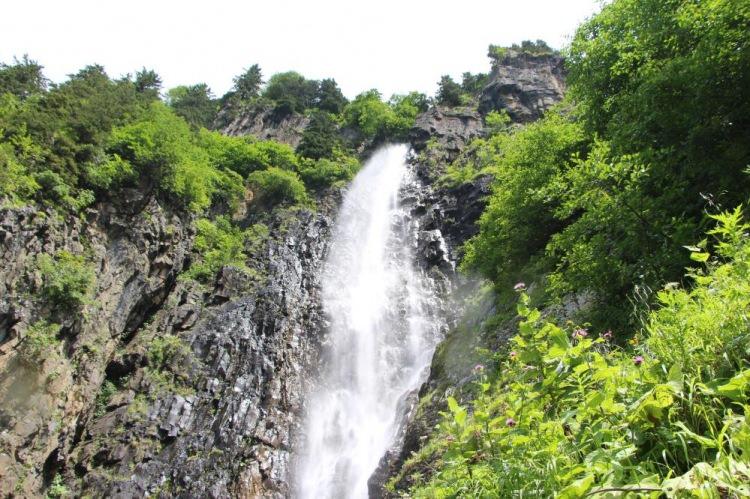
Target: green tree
[[291, 92], [449, 92], [148, 82], [247, 85], [320, 138], [23, 78], [329, 97], [195, 103], [473, 83], [275, 186]]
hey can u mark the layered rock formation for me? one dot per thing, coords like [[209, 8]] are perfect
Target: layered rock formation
[[525, 85], [265, 123]]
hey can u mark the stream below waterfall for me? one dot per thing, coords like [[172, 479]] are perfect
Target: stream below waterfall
[[384, 326]]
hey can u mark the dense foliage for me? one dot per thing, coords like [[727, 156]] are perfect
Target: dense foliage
[[645, 393], [601, 195], [568, 413]]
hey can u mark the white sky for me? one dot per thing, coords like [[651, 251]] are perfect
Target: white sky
[[393, 45]]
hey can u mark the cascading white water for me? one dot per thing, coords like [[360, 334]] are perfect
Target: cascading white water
[[382, 334]]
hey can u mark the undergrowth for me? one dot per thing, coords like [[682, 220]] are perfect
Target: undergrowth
[[569, 413]]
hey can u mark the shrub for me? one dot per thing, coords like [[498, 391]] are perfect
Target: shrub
[[274, 186], [39, 343], [15, 181], [520, 216], [326, 172], [162, 147], [245, 155], [378, 120], [219, 244], [68, 279], [113, 171], [163, 349]]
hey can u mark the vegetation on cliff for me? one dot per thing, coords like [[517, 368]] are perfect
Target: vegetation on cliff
[[568, 413], [644, 393]]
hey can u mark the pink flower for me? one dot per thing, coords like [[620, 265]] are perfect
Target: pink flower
[[607, 335], [510, 422], [638, 360], [513, 355], [580, 333], [519, 287], [478, 368]]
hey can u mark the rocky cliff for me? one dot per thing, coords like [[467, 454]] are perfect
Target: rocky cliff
[[525, 85]]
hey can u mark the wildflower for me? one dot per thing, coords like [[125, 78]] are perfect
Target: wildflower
[[478, 368], [607, 335], [510, 422], [513, 355], [638, 360], [519, 287], [580, 333]]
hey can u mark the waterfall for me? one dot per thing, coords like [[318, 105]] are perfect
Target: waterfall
[[383, 332]]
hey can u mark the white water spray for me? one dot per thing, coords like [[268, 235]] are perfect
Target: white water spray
[[382, 335]]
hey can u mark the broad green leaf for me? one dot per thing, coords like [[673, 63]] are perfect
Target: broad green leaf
[[577, 489]]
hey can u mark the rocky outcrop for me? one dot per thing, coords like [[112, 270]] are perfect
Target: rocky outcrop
[[524, 85], [158, 385], [449, 129], [265, 123], [48, 387], [219, 418]]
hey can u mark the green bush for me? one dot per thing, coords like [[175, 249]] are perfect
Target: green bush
[[568, 414], [378, 120], [218, 244], [245, 155], [164, 348], [161, 146], [326, 172], [15, 181], [39, 343], [68, 280], [274, 186]]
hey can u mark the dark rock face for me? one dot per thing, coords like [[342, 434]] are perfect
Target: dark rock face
[[265, 124], [42, 405], [524, 85], [226, 425]]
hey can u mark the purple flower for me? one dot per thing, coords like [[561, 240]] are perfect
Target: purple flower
[[638, 360], [580, 333], [478, 368], [519, 287], [510, 422], [607, 335]]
